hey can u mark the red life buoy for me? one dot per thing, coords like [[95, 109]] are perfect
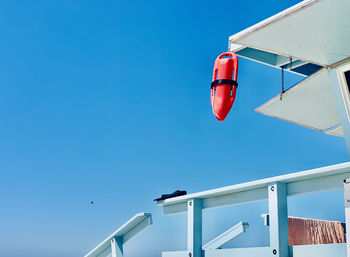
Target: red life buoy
[[224, 84]]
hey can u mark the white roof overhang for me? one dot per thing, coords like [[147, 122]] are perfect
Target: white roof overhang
[[314, 35], [315, 31], [310, 103], [335, 131]]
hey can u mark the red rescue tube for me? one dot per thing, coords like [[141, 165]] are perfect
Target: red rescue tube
[[224, 84]]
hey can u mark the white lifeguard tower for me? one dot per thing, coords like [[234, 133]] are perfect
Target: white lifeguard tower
[[312, 39]]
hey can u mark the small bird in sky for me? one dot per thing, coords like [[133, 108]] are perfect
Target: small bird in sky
[[92, 202]]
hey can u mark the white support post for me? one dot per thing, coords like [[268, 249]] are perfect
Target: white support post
[[342, 100], [194, 231], [117, 247], [278, 214], [347, 213]]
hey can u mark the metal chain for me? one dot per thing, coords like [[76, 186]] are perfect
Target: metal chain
[[282, 83], [282, 77]]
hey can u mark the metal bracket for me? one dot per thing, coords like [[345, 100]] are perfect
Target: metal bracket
[[266, 218]]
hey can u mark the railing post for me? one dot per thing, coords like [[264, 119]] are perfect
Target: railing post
[[347, 213], [278, 219], [194, 231], [117, 247]]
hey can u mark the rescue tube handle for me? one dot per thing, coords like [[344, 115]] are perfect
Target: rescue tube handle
[[227, 54], [235, 62]]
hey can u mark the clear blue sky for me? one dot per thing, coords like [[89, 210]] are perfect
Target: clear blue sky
[[109, 101]]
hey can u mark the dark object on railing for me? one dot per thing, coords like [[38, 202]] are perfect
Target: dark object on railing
[[174, 194]]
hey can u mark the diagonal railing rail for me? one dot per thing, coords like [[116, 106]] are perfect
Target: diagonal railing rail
[[113, 244]]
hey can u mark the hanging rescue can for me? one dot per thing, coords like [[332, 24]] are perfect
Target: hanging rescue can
[[224, 84]]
